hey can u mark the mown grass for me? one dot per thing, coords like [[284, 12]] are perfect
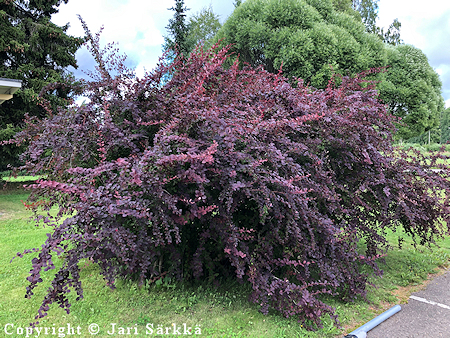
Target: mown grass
[[24, 178], [222, 311]]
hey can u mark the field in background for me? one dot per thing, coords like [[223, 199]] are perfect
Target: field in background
[[222, 311], [426, 148]]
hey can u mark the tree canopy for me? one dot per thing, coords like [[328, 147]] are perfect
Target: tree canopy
[[36, 51], [368, 12], [445, 126], [309, 39], [412, 90], [314, 39], [202, 27]]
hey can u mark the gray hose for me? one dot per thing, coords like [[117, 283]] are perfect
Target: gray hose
[[361, 332]]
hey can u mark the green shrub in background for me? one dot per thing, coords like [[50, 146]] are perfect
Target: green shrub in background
[[9, 154], [425, 147], [445, 126]]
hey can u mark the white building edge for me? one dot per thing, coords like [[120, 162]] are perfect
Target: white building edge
[[7, 88]]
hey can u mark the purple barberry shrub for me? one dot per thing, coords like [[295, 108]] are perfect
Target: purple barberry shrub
[[226, 172]]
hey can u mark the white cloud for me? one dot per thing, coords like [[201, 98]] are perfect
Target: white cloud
[[414, 15], [121, 19], [137, 26], [426, 26], [134, 24]]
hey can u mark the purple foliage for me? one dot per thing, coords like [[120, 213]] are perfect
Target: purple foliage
[[226, 172]]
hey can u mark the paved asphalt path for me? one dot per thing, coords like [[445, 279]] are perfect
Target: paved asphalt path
[[426, 315]]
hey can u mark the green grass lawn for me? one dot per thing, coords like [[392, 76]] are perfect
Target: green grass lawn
[[21, 178], [221, 312]]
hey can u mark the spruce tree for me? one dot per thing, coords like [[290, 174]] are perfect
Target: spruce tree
[[178, 30], [38, 52]]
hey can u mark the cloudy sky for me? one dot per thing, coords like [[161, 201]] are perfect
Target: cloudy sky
[[139, 25]]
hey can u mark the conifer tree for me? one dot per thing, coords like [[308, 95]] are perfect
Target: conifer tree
[[178, 30], [37, 52]]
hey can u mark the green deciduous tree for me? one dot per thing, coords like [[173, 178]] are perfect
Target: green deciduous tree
[[36, 51], [368, 11], [445, 126], [309, 39], [312, 40], [343, 5], [412, 90], [202, 27], [392, 35]]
